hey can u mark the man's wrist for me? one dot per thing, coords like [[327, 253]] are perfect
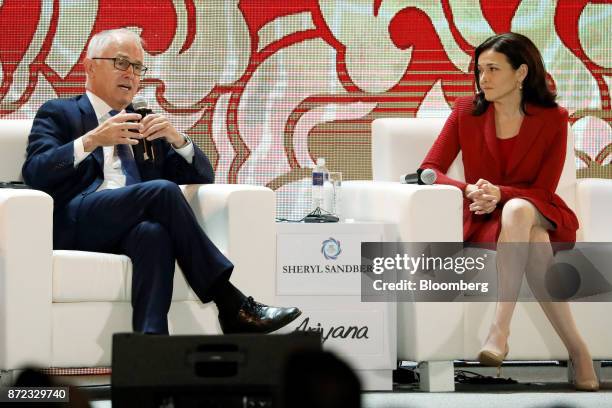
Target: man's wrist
[[184, 141], [89, 143]]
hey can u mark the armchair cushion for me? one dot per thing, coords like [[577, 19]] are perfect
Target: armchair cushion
[[13, 152], [399, 145], [593, 198], [80, 276]]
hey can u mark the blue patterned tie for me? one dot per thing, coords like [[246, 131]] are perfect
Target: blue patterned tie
[[128, 164]]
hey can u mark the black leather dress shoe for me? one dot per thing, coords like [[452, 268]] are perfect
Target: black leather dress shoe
[[255, 317]]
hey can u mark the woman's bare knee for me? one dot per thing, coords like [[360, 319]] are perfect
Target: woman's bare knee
[[518, 213]]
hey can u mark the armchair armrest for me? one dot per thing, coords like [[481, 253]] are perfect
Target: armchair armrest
[[26, 245], [421, 213], [240, 220], [593, 198]]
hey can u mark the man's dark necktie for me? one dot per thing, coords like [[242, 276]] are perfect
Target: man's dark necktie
[[128, 164]]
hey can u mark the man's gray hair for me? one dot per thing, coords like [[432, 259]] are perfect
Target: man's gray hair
[[99, 41]]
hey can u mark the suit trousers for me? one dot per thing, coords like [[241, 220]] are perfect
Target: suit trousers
[[152, 223]]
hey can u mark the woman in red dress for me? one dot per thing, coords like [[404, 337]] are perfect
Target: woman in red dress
[[513, 138]]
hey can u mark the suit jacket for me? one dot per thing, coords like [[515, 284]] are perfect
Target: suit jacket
[[533, 171], [49, 164]]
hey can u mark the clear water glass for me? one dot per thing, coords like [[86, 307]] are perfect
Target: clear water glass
[[335, 180]]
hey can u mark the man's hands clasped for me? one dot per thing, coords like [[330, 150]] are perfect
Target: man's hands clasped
[[157, 125], [126, 128], [484, 196], [119, 129]]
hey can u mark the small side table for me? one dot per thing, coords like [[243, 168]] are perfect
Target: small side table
[[318, 270]]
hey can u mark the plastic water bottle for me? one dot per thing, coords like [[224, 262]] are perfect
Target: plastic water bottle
[[319, 176]]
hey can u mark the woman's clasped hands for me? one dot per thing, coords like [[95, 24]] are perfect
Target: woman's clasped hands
[[484, 196]]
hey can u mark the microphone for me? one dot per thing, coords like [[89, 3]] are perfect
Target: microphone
[[144, 149], [422, 177], [141, 106]]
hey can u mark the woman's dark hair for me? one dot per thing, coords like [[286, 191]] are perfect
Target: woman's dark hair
[[519, 50]]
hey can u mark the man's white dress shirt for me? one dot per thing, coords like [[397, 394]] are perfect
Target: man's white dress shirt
[[113, 173]]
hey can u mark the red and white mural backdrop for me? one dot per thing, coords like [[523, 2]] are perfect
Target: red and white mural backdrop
[[265, 86]]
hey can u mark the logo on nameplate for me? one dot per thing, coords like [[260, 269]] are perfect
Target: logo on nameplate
[[331, 249]]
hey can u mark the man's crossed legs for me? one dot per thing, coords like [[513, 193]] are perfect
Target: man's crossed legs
[[152, 223]]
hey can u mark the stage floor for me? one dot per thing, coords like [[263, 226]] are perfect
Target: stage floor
[[539, 386]]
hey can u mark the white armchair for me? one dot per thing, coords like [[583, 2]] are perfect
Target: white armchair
[[60, 308], [437, 333]]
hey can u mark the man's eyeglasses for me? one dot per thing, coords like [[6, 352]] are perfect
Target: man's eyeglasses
[[123, 64]]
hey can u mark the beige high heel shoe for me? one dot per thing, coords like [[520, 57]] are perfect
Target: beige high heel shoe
[[589, 384], [492, 358], [586, 385]]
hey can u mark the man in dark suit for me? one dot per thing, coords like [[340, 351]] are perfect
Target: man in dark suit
[[106, 201]]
